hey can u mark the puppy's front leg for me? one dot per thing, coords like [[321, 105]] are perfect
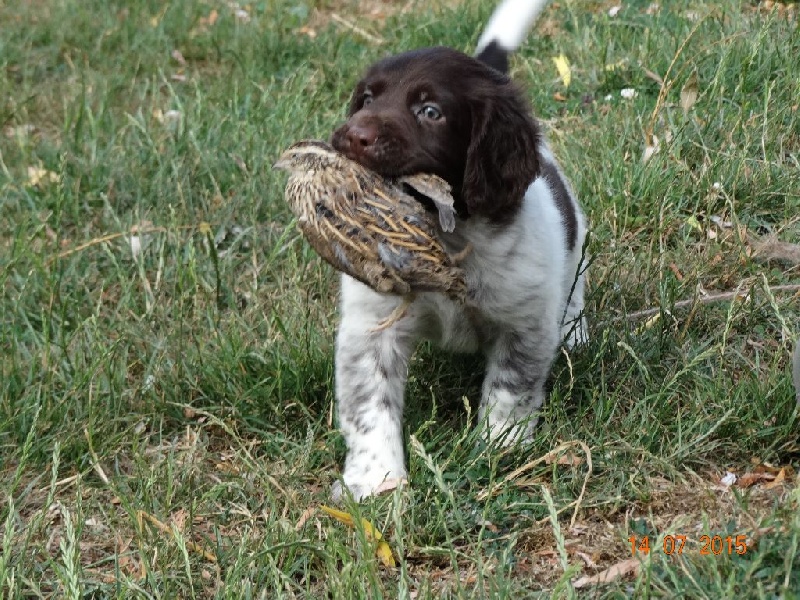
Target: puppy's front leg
[[518, 364], [371, 372]]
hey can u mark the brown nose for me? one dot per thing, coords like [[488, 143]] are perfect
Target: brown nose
[[360, 136]]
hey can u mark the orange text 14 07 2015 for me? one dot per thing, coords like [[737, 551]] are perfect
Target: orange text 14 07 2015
[[676, 544]]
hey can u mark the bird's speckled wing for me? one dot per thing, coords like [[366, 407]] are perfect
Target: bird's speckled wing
[[386, 240], [367, 226], [407, 242], [342, 241]]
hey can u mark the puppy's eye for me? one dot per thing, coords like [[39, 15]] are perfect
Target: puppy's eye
[[366, 100], [430, 112]]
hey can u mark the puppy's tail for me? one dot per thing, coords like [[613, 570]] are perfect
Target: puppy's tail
[[507, 28]]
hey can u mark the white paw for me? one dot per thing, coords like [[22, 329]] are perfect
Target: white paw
[[507, 418], [369, 484], [507, 434]]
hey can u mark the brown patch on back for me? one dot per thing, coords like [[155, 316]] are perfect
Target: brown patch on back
[[563, 200]]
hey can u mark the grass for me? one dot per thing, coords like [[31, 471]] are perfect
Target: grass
[[166, 416]]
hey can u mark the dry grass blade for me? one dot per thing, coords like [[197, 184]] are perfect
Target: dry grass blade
[[549, 458], [164, 528], [667, 85]]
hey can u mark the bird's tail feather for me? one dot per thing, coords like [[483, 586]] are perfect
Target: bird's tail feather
[[506, 30]]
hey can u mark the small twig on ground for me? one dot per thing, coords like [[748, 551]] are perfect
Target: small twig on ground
[[113, 236], [356, 29], [710, 299]]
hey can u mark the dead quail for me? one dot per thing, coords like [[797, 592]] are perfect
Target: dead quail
[[370, 227]]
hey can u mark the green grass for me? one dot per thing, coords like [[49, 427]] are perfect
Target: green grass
[[193, 381]]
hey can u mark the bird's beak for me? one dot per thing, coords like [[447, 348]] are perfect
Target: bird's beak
[[280, 164]]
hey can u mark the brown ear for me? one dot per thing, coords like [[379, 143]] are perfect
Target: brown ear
[[503, 155]]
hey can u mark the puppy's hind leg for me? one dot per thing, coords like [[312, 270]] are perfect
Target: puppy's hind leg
[[518, 365]]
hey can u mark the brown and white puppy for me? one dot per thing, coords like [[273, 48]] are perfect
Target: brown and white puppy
[[437, 110]]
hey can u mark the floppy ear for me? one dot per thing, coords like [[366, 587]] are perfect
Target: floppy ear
[[503, 156]]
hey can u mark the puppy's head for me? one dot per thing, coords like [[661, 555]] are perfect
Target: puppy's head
[[437, 110]]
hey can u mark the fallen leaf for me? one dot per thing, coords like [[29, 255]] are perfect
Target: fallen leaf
[[768, 468], [38, 175], [178, 519], [178, 57], [719, 222], [389, 484], [562, 66], [21, 131], [383, 550], [650, 149], [750, 479], [155, 20], [676, 271], [779, 479], [211, 18], [384, 553], [587, 559], [614, 572], [617, 65], [689, 93], [648, 324], [307, 31], [240, 13], [559, 97], [694, 223], [549, 27]]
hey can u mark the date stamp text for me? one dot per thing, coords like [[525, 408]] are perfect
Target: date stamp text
[[675, 544]]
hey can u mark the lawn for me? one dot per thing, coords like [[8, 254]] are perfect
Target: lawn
[[166, 405]]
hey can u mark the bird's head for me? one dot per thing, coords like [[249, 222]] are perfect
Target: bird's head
[[309, 154]]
